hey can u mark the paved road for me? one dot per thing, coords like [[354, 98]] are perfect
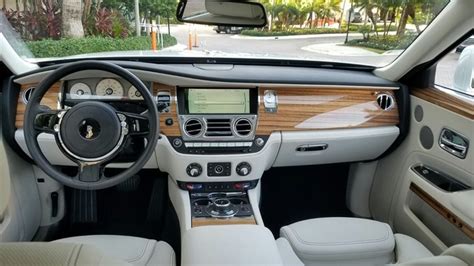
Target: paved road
[[276, 47], [315, 47]]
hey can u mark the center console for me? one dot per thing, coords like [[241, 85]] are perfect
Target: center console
[[220, 203], [217, 121], [217, 138]]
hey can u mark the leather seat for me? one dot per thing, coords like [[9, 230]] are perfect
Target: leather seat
[[350, 241], [133, 250], [89, 250]]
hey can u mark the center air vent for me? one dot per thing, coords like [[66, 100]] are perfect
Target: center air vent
[[243, 127], [385, 101], [218, 127], [193, 127]]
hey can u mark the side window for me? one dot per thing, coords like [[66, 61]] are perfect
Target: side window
[[456, 70]]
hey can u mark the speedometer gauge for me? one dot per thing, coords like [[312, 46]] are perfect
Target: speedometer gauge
[[134, 94], [109, 88], [80, 91]]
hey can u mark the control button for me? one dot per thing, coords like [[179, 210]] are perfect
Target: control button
[[197, 144], [231, 144], [177, 142], [169, 121], [218, 169], [194, 170], [189, 144], [239, 144], [259, 142], [206, 144], [191, 186], [243, 169], [222, 144], [242, 186], [247, 144], [214, 144]]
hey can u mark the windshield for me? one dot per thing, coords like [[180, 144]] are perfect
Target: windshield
[[364, 32]]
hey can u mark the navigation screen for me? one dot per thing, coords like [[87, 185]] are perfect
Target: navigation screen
[[218, 101]]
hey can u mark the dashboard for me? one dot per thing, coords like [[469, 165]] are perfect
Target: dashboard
[[213, 129]]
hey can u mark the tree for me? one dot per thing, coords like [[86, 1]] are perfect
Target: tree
[[72, 19]]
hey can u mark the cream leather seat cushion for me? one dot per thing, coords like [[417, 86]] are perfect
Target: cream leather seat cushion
[[52, 254], [133, 250], [457, 255], [341, 241]]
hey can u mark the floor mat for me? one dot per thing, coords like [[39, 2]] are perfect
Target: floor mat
[[141, 209], [291, 194]]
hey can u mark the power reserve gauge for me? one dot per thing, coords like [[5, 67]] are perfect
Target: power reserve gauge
[[80, 91]]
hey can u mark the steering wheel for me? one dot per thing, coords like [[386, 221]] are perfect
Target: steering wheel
[[91, 133]]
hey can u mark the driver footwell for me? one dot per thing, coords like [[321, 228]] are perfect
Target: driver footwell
[[138, 207]]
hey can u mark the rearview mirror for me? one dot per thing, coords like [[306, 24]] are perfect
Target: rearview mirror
[[222, 13]]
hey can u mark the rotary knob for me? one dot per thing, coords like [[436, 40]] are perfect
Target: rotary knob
[[194, 170], [243, 169]]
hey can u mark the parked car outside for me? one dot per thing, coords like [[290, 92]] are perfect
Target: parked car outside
[[228, 29]]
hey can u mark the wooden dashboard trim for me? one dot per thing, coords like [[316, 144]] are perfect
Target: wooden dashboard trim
[[445, 212], [216, 221], [325, 108], [299, 109], [448, 101], [50, 99]]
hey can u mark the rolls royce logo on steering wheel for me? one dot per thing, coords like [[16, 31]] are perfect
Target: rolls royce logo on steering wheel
[[90, 132]]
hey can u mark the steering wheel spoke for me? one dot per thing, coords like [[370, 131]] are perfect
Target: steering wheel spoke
[[47, 120], [90, 172], [136, 124]]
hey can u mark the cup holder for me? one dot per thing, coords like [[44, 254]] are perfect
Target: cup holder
[[237, 201], [202, 202]]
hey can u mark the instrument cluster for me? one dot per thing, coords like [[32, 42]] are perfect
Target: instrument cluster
[[103, 89]]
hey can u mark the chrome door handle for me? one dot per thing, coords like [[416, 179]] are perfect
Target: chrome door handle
[[454, 143], [311, 147]]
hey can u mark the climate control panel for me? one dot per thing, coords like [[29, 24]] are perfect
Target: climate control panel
[[219, 169]]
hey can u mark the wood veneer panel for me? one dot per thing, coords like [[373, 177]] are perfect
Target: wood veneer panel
[[50, 99], [324, 108], [445, 212], [445, 100], [215, 221], [172, 130]]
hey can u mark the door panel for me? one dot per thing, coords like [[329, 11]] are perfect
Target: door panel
[[419, 208]]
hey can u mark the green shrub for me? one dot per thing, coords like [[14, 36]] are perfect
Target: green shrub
[[356, 27], [389, 42], [365, 30], [67, 47]]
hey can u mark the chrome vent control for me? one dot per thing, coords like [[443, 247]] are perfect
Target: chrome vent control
[[193, 127], [25, 96], [243, 127], [385, 101], [163, 100], [270, 101]]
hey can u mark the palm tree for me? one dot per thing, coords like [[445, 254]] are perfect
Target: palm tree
[[72, 19]]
